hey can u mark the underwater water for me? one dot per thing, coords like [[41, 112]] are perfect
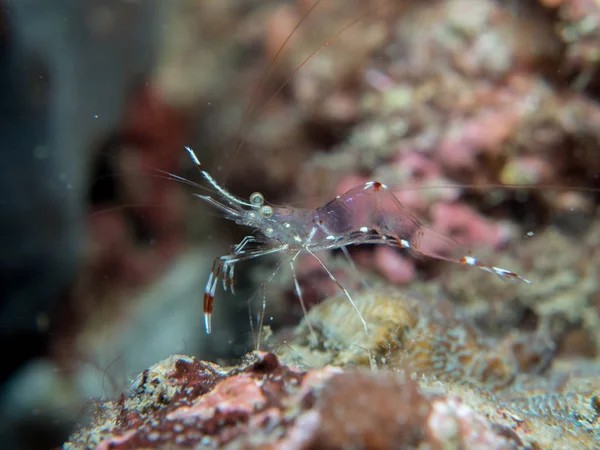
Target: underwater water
[[399, 147]]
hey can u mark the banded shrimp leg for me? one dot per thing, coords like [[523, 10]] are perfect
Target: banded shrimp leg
[[290, 231], [223, 267]]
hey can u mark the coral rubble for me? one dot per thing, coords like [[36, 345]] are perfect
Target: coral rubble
[[424, 377], [263, 404]]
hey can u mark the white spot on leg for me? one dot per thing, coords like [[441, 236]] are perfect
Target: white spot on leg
[[510, 275], [209, 283], [500, 271], [364, 229], [469, 260], [207, 323]]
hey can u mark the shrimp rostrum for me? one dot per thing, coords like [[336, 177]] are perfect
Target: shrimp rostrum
[[367, 214]]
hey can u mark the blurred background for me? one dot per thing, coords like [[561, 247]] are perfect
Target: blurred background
[[104, 258]]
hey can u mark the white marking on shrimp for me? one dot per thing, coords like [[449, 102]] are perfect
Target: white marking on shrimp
[[370, 184], [469, 260]]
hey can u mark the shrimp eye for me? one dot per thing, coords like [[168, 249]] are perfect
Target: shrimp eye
[[266, 211], [257, 199]]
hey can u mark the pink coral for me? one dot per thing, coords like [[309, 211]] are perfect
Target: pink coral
[[238, 395], [419, 174], [417, 165], [468, 226], [465, 140], [113, 441], [322, 408], [394, 267], [452, 420]]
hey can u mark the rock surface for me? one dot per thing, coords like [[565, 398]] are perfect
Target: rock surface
[[424, 378]]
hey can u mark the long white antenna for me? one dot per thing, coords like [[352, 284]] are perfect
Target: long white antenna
[[232, 198]]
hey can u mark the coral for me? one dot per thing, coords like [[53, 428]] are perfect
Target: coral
[[468, 226], [514, 380], [489, 111], [393, 266], [428, 335], [263, 404], [578, 28], [561, 299]]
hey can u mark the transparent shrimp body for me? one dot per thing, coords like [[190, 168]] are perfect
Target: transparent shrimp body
[[290, 227], [368, 214], [372, 214]]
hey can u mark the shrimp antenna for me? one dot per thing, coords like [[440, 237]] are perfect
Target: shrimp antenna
[[225, 194]]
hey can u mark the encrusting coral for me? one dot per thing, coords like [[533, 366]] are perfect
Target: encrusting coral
[[264, 404]]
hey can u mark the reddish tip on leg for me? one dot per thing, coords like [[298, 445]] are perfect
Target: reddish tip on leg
[[208, 307]]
